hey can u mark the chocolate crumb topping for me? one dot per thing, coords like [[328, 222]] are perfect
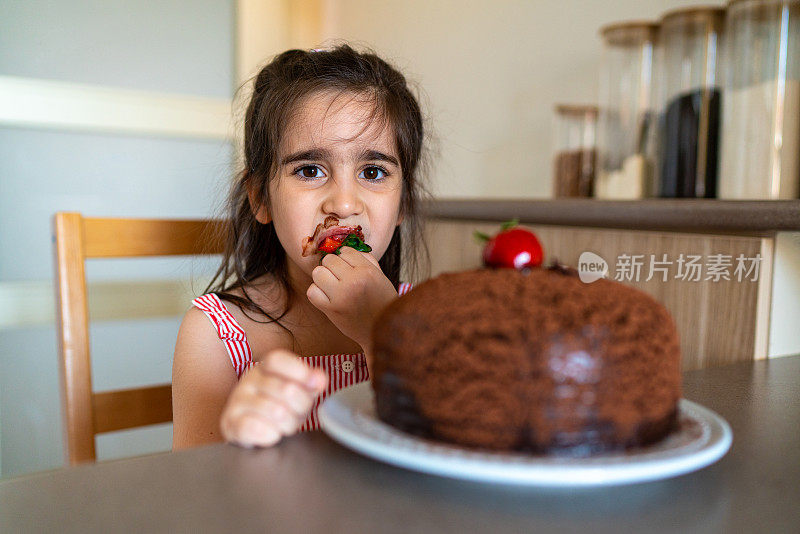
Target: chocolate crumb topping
[[497, 359], [560, 268]]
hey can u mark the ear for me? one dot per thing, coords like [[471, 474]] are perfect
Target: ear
[[257, 206], [400, 218]]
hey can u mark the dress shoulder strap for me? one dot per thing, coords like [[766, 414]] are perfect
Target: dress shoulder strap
[[228, 330], [232, 334]]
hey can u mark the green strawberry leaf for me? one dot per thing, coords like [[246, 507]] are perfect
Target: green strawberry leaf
[[353, 241], [508, 225], [480, 237]]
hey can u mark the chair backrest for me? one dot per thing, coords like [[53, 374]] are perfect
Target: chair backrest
[[77, 238]]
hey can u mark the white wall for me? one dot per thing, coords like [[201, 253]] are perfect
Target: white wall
[[493, 71], [785, 314]]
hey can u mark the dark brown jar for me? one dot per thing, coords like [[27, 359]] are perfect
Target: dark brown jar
[[575, 150]]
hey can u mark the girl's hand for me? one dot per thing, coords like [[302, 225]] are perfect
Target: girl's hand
[[271, 400], [351, 289]]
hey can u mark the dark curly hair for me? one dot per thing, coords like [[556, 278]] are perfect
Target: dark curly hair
[[252, 249]]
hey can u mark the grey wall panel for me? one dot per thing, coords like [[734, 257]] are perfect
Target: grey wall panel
[[124, 354], [29, 401], [43, 172], [181, 46]]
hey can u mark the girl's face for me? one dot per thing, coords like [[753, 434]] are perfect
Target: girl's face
[[334, 160]]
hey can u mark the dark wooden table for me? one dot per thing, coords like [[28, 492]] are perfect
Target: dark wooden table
[[311, 484]]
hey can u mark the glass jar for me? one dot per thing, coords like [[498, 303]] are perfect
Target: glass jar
[[690, 102], [575, 150], [761, 109], [626, 108]]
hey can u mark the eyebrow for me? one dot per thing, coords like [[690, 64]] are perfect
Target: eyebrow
[[316, 154], [305, 155], [374, 155]]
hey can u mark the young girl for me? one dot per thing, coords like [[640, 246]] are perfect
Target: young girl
[[333, 141]]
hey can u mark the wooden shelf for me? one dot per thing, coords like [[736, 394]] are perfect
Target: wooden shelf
[[742, 217]]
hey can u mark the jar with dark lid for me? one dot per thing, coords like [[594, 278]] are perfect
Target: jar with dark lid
[[575, 150], [690, 97], [761, 108], [626, 108]]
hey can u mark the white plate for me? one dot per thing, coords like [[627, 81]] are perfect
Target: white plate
[[702, 439]]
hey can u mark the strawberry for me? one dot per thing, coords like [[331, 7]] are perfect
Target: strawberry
[[513, 247], [329, 244], [334, 244]]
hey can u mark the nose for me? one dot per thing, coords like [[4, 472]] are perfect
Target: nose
[[342, 199]]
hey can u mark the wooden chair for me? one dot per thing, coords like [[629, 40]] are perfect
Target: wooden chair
[[76, 238]]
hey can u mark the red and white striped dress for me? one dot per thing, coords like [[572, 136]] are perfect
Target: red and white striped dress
[[343, 370]]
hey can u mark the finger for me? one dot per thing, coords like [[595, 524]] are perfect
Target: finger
[[324, 278], [294, 395], [287, 364], [249, 430], [356, 258], [349, 256], [266, 409], [337, 264], [317, 297], [245, 428]]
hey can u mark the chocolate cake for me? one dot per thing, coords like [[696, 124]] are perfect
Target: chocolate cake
[[535, 361]]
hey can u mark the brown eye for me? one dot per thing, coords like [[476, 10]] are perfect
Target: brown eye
[[310, 171], [373, 173]]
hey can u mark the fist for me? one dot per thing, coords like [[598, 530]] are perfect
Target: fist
[[271, 400], [351, 290]]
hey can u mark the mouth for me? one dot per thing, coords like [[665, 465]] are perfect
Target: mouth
[[338, 233], [328, 235]]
